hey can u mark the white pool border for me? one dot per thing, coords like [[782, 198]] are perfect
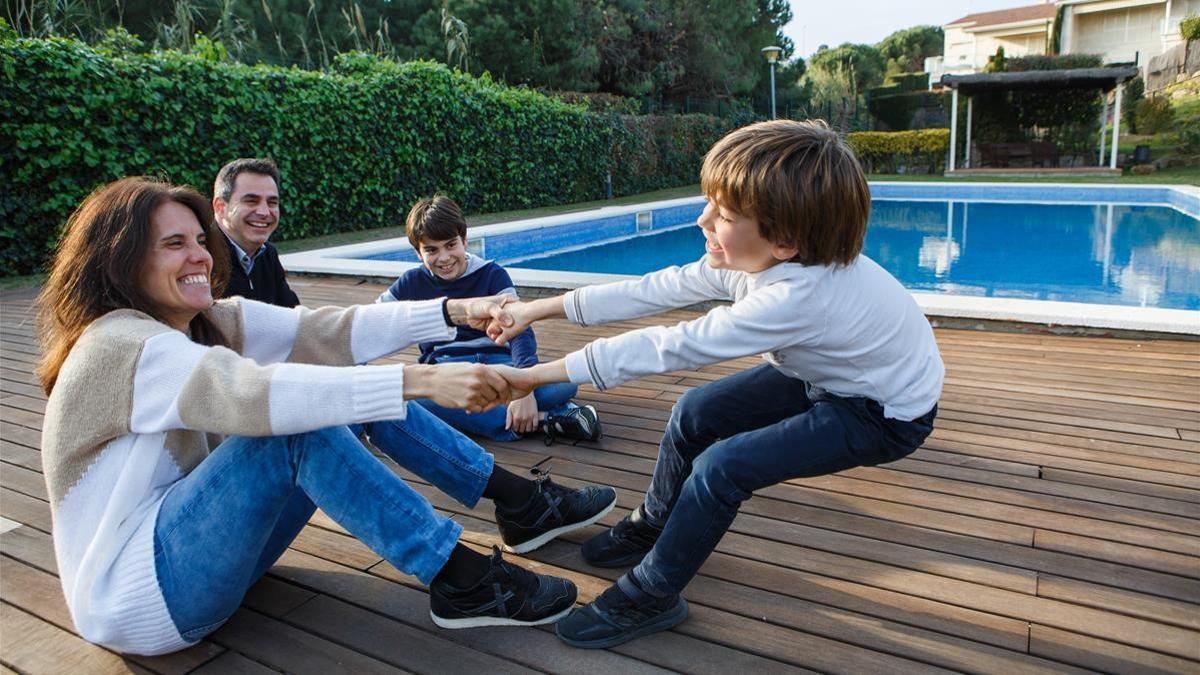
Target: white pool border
[[1186, 198]]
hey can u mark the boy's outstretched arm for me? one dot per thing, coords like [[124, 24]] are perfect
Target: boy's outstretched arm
[[522, 381]]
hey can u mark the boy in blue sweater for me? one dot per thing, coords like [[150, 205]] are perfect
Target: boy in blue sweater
[[437, 231]]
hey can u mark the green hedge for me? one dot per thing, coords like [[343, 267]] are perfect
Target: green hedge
[[659, 151], [920, 151], [356, 145]]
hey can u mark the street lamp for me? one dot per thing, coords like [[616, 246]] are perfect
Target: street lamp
[[772, 54]]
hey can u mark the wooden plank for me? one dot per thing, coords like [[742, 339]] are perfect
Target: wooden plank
[[1018, 488], [534, 649], [43, 648], [30, 546], [40, 594], [1105, 655], [23, 480], [392, 641], [1134, 556], [25, 510], [233, 663], [1153, 608], [283, 647]]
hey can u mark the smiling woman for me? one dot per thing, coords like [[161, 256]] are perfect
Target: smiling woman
[[161, 525]]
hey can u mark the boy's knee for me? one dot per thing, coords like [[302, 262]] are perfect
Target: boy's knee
[[719, 478]]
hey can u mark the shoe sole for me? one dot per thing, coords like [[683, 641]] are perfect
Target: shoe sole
[[663, 622], [480, 621], [544, 538]]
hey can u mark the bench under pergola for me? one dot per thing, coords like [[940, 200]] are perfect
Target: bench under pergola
[[1104, 79]]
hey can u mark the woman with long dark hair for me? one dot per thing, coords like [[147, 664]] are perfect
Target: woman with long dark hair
[[187, 441]]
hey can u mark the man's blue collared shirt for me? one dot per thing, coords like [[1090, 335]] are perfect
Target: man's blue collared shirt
[[245, 259]]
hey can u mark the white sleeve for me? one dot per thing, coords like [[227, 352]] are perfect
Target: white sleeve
[[768, 319], [179, 384], [337, 336], [650, 294]]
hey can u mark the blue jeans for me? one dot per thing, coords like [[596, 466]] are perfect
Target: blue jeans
[[224, 524], [551, 398], [728, 438]]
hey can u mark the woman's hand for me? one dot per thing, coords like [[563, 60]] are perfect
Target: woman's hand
[[522, 415], [471, 386]]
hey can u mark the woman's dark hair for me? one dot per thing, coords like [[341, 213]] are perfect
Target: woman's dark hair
[[97, 266]]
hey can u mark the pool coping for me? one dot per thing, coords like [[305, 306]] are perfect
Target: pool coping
[[1185, 198]]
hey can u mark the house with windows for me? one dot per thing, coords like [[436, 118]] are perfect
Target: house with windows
[[1121, 31]]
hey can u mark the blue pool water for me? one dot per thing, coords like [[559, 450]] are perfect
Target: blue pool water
[[1112, 254]]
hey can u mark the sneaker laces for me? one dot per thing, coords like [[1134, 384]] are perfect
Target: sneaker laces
[[504, 571], [553, 493]]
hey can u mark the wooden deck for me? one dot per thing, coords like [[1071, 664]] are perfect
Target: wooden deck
[[1050, 523]]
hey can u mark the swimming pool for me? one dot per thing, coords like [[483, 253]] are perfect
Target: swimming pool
[[1110, 256]]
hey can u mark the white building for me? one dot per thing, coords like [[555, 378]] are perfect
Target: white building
[[1120, 31]]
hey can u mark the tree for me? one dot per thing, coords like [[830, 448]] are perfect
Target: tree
[[906, 50], [861, 65]]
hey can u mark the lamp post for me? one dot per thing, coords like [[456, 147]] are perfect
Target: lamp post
[[772, 54]]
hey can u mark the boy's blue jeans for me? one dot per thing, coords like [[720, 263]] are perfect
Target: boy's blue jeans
[[744, 432], [224, 524], [551, 398]]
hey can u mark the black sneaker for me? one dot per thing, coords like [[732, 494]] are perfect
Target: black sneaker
[[553, 510], [577, 424], [506, 596], [620, 614], [625, 544]]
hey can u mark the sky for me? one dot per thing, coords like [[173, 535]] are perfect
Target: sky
[[817, 22]]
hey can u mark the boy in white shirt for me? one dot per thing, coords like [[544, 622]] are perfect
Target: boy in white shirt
[[852, 378]]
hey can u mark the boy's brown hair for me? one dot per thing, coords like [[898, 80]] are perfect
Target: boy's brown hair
[[435, 218], [800, 180]]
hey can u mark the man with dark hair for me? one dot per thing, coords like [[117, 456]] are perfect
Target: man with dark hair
[[246, 206]]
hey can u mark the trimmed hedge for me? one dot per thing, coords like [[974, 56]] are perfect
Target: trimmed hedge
[[651, 152], [919, 151], [356, 145]]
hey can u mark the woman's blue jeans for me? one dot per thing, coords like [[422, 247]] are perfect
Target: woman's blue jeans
[[551, 398], [224, 524], [730, 437]]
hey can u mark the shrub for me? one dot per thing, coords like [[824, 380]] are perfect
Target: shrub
[[924, 150], [356, 144], [1189, 28], [1053, 62], [1135, 92], [657, 151], [1154, 115]]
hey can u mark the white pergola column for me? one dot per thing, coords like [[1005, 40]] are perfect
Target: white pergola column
[[1116, 137], [953, 126], [967, 158], [1103, 126]]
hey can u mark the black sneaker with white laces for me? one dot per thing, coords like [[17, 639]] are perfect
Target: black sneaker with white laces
[[553, 510], [624, 544], [578, 424], [507, 595], [621, 613]]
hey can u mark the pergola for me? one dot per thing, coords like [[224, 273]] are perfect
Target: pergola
[[1104, 79]]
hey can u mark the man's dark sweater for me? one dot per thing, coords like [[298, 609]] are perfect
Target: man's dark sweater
[[267, 282]]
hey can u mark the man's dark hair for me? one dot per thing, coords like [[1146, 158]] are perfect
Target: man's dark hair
[[227, 176]]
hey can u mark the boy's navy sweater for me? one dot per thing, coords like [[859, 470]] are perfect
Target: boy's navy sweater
[[482, 278]]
